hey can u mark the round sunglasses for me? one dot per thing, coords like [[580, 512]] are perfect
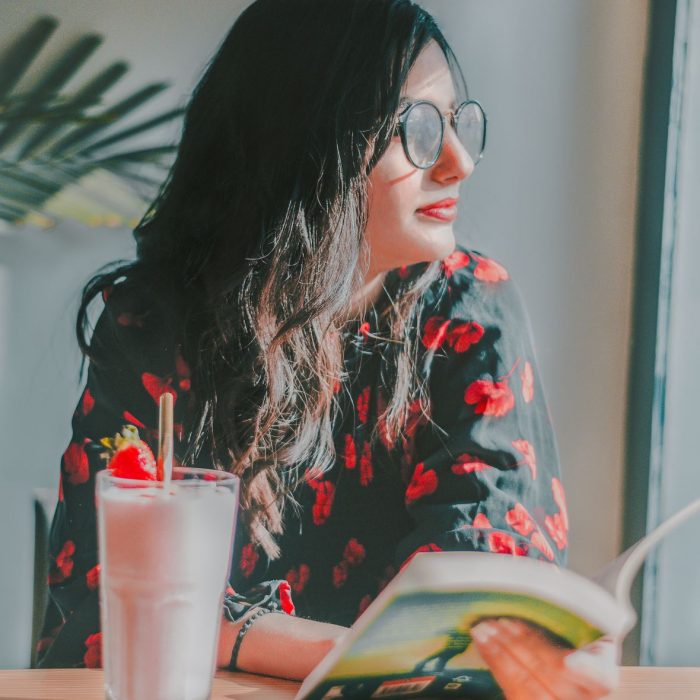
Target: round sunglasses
[[421, 126]]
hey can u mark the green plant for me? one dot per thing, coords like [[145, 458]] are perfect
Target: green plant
[[62, 155]]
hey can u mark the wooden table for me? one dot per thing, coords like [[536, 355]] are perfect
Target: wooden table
[[638, 683]]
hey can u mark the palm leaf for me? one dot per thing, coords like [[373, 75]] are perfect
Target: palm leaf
[[62, 156], [20, 55], [85, 97]]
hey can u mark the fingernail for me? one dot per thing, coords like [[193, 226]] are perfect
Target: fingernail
[[483, 631], [509, 625]]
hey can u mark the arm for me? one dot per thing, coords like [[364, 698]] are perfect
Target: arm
[[491, 481], [485, 474], [266, 646]]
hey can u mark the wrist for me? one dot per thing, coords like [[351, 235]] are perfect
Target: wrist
[[286, 646], [228, 631], [243, 628]]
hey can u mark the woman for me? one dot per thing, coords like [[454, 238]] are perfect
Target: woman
[[297, 289]]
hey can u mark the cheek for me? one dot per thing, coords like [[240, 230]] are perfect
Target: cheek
[[395, 193], [395, 234]]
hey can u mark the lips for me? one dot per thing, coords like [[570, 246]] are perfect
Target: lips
[[442, 204], [444, 210]]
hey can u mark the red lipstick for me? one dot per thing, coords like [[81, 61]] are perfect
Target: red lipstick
[[444, 210]]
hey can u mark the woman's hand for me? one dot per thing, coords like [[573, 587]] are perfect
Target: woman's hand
[[529, 666]]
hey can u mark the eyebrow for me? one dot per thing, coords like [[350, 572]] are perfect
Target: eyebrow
[[406, 99]]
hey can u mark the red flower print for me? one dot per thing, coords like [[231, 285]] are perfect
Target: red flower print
[[488, 270], [363, 405], [560, 500], [93, 655], [60, 488], [403, 271], [423, 548], [555, 528], [340, 574], [366, 469], [183, 372], [45, 642], [490, 398], [350, 454], [365, 329], [131, 418], [75, 463], [481, 521], [156, 386], [454, 261], [502, 543], [354, 552], [230, 591], [128, 319], [92, 577], [466, 464], [286, 598], [63, 565], [462, 336], [88, 402], [527, 380], [249, 558], [336, 385], [422, 483], [539, 542], [298, 578], [528, 453], [435, 332], [325, 493], [520, 520], [364, 604], [106, 292]]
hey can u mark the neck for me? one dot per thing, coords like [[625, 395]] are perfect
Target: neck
[[368, 295]]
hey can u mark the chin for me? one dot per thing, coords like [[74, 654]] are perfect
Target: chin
[[439, 245]]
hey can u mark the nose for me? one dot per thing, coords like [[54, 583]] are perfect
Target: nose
[[454, 163]]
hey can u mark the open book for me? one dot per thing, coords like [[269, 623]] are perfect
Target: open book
[[413, 640]]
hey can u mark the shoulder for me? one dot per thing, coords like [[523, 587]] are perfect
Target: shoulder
[[136, 330], [472, 284]]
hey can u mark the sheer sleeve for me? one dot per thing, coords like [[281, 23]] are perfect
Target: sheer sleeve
[[484, 475]]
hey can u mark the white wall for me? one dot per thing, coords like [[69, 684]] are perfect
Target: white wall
[[553, 199], [41, 273]]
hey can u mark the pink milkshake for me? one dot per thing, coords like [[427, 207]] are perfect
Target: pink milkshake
[[164, 558]]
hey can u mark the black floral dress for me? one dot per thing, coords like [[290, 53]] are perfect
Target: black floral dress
[[483, 475]]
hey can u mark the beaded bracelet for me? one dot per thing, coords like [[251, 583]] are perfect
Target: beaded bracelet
[[241, 633]]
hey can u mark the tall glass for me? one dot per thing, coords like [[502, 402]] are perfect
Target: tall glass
[[164, 562]]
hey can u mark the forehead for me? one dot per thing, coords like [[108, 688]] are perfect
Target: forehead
[[430, 79]]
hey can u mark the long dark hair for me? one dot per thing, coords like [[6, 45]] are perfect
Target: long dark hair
[[257, 235]]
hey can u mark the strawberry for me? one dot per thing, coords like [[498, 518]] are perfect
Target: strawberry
[[128, 456]]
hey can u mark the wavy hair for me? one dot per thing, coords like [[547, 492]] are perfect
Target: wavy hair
[[256, 236]]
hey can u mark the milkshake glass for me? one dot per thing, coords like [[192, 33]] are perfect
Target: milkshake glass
[[164, 561]]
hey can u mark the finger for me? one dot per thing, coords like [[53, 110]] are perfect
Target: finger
[[598, 671], [546, 660], [516, 679]]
